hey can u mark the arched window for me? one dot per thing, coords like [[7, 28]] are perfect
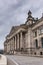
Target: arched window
[[42, 42], [36, 43]]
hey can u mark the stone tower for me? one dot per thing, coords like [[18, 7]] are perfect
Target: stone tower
[[29, 18]]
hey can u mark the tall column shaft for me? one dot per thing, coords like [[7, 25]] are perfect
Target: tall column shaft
[[39, 40], [15, 42], [21, 41]]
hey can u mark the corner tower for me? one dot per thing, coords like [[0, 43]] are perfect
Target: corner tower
[[29, 18]]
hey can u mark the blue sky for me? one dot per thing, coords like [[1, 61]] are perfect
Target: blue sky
[[14, 12]]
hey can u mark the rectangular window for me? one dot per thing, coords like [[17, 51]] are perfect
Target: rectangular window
[[41, 31], [42, 42], [35, 34]]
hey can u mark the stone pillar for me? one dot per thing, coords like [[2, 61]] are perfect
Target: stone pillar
[[21, 41], [15, 43], [40, 45], [10, 46], [38, 38]]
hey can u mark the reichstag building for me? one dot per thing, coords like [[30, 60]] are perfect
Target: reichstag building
[[26, 38]]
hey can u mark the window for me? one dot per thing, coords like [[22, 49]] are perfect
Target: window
[[35, 34], [42, 42], [41, 31], [41, 53], [35, 53], [36, 43]]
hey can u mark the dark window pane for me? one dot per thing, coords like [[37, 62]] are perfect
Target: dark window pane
[[42, 42]]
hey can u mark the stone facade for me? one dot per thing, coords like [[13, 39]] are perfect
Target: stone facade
[[26, 38]]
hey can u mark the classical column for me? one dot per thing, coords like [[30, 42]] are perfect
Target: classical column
[[11, 46], [15, 43], [21, 41], [38, 38], [40, 45]]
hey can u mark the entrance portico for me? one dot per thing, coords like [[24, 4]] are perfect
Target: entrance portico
[[18, 40]]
